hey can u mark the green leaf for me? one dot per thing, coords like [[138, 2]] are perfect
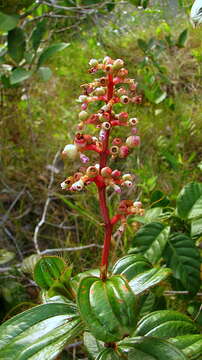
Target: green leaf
[[183, 258], [93, 346], [131, 266], [38, 34], [162, 96], [158, 199], [142, 45], [147, 304], [189, 201], [152, 238], [171, 159], [164, 324], [75, 281], [18, 75], [108, 354], [50, 51], [16, 44], [149, 279], [47, 270], [148, 348], [153, 214], [40, 332], [182, 38], [191, 345], [89, 2], [8, 22], [196, 228], [6, 256], [44, 73], [111, 5], [107, 307], [135, 2], [145, 3]]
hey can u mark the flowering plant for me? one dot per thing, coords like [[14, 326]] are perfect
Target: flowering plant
[[113, 88], [111, 308]]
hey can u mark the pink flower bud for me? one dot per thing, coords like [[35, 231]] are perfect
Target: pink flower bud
[[137, 99], [116, 188], [117, 141], [84, 158], [70, 151], [84, 106], [116, 174], [123, 116], [134, 131], [124, 151], [133, 85], [120, 230], [122, 73], [106, 172], [121, 91], [102, 135], [133, 141], [80, 140]]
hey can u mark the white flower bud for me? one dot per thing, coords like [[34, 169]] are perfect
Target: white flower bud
[[128, 183], [63, 185], [78, 186], [70, 151], [137, 204], [118, 64], [83, 98], [106, 125], [83, 115], [93, 62], [127, 177]]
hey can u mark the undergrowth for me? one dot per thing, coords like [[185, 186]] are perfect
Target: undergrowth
[[35, 118]]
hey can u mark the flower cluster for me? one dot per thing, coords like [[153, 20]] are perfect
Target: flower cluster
[[114, 87]]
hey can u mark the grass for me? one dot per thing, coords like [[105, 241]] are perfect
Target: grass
[[35, 129]]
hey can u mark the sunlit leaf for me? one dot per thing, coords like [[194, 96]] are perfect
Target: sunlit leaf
[[8, 22], [189, 201], [183, 257], [40, 332], [50, 51], [18, 75]]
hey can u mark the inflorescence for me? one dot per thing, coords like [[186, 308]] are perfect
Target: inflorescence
[[106, 89]]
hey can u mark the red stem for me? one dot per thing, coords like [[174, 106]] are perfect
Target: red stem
[[102, 193]]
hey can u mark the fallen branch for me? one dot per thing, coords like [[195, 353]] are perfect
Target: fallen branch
[[43, 218], [49, 251], [5, 217]]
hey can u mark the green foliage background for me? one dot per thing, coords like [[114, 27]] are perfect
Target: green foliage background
[[39, 117]]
